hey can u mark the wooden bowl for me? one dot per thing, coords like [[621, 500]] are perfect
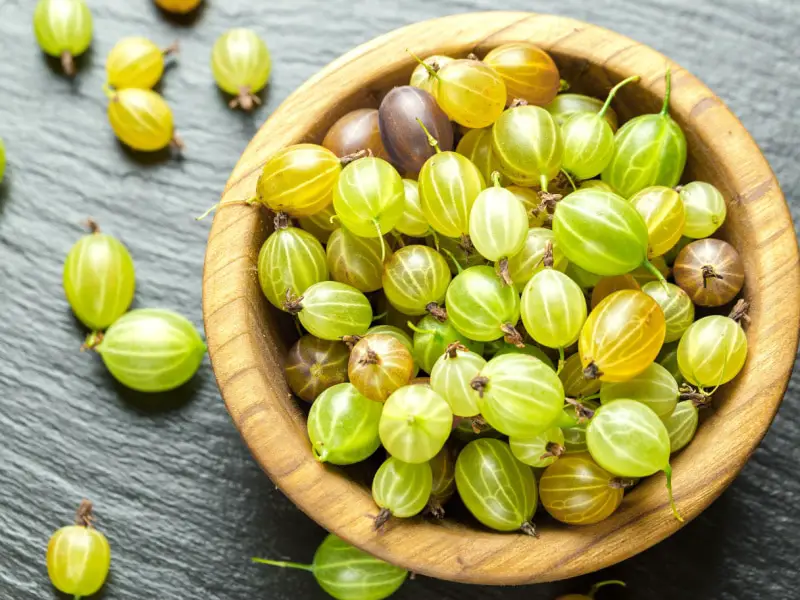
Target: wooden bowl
[[247, 339]]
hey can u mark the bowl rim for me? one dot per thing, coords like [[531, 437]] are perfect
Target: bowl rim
[[245, 350]]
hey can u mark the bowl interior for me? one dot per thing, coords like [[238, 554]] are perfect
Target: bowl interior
[[248, 337]]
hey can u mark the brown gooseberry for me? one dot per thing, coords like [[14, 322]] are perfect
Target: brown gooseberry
[[710, 271], [356, 131], [379, 365], [313, 365]]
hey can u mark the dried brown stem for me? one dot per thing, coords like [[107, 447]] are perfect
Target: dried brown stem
[[552, 450], [246, 99], [529, 528], [452, 350], [68, 63], [92, 225], [479, 384], [479, 424], [622, 483], [709, 273], [293, 305], [739, 313], [473, 56], [371, 358], [434, 509], [84, 516], [592, 371], [582, 412], [348, 158], [177, 142], [502, 272], [547, 257], [518, 102], [281, 221], [437, 312], [382, 518], [695, 395], [351, 340], [173, 48], [466, 244], [512, 336]]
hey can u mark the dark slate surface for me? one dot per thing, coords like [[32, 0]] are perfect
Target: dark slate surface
[[178, 495]]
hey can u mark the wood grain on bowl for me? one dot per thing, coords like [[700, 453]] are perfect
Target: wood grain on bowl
[[247, 338]]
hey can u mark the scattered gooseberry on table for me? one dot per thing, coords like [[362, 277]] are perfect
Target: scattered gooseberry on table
[[313, 365], [343, 425], [347, 573], [79, 556], [415, 280], [241, 65], [150, 350], [401, 489], [63, 30], [405, 141], [355, 260], [380, 364], [290, 261], [705, 209], [99, 279], [710, 271], [628, 439], [415, 424], [142, 120], [528, 72], [577, 491], [331, 310], [181, 7], [136, 62], [648, 150], [518, 395], [622, 336], [497, 489]]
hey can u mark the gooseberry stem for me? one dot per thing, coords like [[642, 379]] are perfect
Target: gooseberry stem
[[613, 92], [667, 92], [431, 140], [563, 85], [92, 341], [496, 179], [571, 180], [657, 274], [433, 71], [543, 182], [450, 255], [249, 202], [380, 237], [597, 586], [283, 564], [416, 329], [173, 48], [673, 507], [68, 63], [560, 358], [110, 94]]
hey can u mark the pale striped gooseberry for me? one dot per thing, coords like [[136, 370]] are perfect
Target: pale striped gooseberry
[[423, 78], [565, 106], [412, 222], [142, 120], [343, 425], [682, 425], [476, 145], [540, 450], [63, 29], [705, 209], [415, 423], [150, 350], [662, 211], [712, 351], [415, 280], [355, 260], [136, 62], [321, 224], [331, 310], [529, 349], [530, 260], [678, 308], [443, 469], [451, 378], [575, 384], [241, 65], [528, 72], [401, 489], [654, 387], [99, 279], [432, 338]]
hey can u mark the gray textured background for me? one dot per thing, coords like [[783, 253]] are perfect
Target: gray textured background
[[180, 499]]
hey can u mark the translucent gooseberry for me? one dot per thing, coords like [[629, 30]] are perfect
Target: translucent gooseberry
[[622, 336], [712, 351], [527, 142], [482, 307], [180, 7], [150, 350], [498, 226], [540, 450], [575, 384], [476, 145], [99, 279], [519, 395], [601, 232], [662, 211], [443, 470], [677, 307], [448, 186], [412, 222], [608, 285], [355, 132], [299, 180], [331, 310], [415, 423], [401, 489], [553, 307], [343, 425], [471, 93], [497, 489], [321, 224], [682, 425], [347, 573], [432, 338], [403, 138], [355, 260], [628, 439], [710, 271], [379, 365], [290, 261], [63, 30], [241, 65], [369, 197], [451, 378], [136, 62], [577, 491], [415, 280], [589, 139], [705, 209], [529, 349], [79, 556], [528, 72], [142, 120], [654, 387], [424, 78], [313, 365], [565, 106], [648, 150]]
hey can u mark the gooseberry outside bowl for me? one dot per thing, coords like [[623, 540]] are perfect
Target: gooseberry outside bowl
[[247, 338]]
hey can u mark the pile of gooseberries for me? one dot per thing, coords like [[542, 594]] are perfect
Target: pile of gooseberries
[[514, 245]]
